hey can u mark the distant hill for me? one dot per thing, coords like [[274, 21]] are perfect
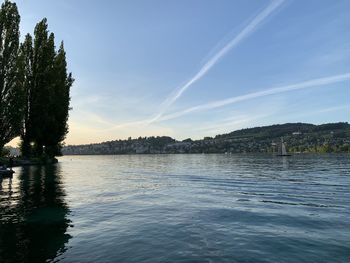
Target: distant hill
[[299, 137]]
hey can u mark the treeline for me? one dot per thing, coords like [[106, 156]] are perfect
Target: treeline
[[299, 137], [34, 87], [279, 130]]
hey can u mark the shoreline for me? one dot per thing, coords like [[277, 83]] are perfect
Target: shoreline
[[237, 153], [20, 162]]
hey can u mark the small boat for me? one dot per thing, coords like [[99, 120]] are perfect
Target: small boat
[[282, 150], [6, 172]]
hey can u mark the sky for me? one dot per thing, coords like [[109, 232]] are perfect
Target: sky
[[195, 68]]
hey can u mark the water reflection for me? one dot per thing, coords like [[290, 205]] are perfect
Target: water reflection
[[285, 161], [33, 216]]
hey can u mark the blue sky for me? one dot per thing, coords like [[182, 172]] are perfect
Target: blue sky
[[195, 68]]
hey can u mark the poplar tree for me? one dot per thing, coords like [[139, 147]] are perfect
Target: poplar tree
[[11, 92], [59, 107], [47, 85], [34, 87], [26, 55], [41, 90]]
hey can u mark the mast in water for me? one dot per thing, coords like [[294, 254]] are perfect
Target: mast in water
[[282, 151]]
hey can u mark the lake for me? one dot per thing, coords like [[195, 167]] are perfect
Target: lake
[[178, 208]]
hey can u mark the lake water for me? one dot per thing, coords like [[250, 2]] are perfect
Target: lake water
[[178, 208]]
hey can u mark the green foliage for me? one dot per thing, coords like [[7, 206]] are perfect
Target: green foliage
[[26, 54], [34, 87], [159, 142], [4, 152], [325, 149], [41, 89], [11, 92], [47, 85], [59, 109]]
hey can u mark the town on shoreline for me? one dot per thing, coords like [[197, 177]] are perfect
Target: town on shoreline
[[299, 137]]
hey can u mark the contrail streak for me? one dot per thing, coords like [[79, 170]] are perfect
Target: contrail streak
[[314, 83], [213, 60], [250, 28]]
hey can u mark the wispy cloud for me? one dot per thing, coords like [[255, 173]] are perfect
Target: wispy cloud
[[331, 109], [304, 115], [250, 28], [223, 125], [176, 94], [314, 83], [81, 100]]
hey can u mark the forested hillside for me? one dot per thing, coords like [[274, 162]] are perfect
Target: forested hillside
[[299, 137]]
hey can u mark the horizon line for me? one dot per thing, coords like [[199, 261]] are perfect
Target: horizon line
[[275, 124]]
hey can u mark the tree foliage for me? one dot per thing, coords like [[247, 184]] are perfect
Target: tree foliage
[[47, 87], [34, 87], [11, 80], [26, 54], [59, 107]]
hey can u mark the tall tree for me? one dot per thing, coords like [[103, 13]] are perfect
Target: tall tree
[[47, 85], [11, 92], [26, 56], [41, 92], [59, 107]]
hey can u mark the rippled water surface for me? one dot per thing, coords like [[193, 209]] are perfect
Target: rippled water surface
[[178, 208]]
